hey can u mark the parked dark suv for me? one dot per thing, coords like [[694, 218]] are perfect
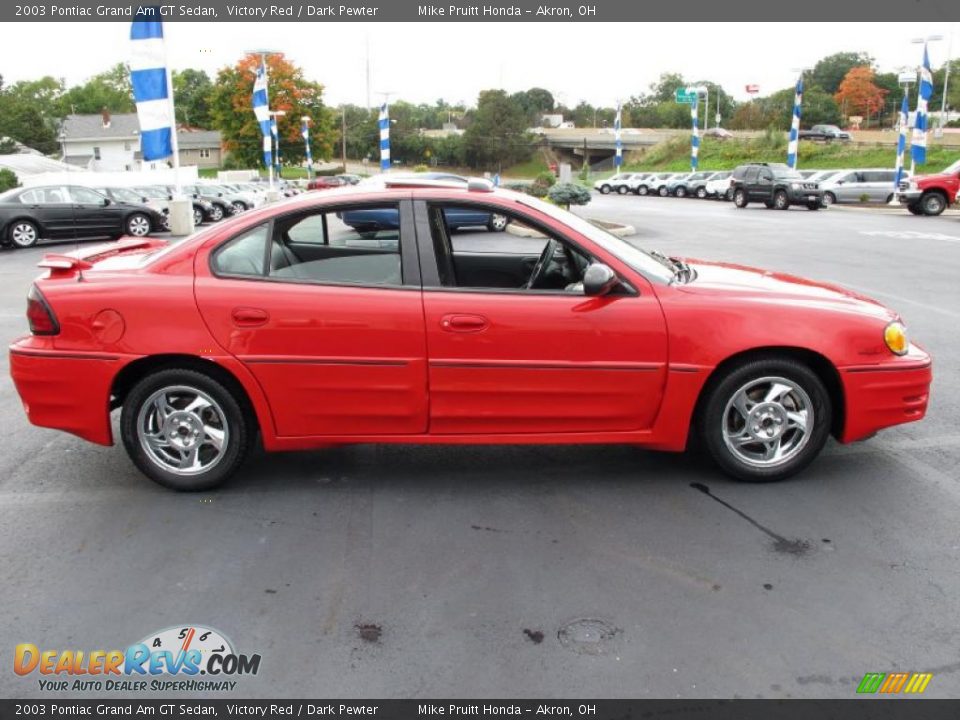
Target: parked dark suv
[[775, 185]]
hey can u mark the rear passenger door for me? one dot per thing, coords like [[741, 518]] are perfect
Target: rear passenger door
[[328, 318], [51, 208]]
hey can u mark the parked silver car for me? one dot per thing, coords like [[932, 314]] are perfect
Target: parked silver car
[[868, 185]]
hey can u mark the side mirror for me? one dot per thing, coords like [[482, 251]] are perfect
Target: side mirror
[[599, 279], [105, 201]]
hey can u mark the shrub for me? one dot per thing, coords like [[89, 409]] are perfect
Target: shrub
[[567, 194], [8, 180], [420, 168]]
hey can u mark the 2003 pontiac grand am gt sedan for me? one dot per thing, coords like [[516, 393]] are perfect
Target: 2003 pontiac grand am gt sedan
[[288, 327]]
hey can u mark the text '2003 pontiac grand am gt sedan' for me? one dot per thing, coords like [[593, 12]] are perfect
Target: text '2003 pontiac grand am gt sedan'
[[288, 327]]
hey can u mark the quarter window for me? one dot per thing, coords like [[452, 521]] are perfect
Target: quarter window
[[244, 255]]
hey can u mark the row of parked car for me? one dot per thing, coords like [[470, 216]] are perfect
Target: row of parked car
[[64, 212], [779, 186]]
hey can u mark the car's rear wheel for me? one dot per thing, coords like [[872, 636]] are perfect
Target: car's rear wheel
[[498, 222], [728, 195], [138, 225], [24, 234], [765, 419], [781, 201], [605, 189], [663, 192], [829, 198], [642, 190], [216, 213], [701, 192], [622, 190], [933, 203], [184, 430], [165, 221], [740, 198], [681, 191], [197, 217], [238, 206]]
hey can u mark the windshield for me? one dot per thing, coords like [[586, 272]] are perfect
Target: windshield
[[126, 195], [787, 174], [152, 192], [953, 168], [640, 260]]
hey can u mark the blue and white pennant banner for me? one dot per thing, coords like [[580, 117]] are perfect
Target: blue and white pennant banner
[[148, 76], [795, 125], [261, 108], [305, 132], [618, 159], [918, 144], [384, 138], [902, 141], [695, 135]]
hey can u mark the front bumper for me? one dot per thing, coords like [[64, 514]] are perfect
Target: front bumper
[[886, 394], [909, 197], [803, 197]]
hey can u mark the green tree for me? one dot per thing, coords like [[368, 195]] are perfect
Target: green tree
[[497, 133], [29, 113], [231, 111], [192, 90], [830, 71], [109, 90]]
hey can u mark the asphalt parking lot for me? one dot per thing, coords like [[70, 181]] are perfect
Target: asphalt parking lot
[[388, 571]]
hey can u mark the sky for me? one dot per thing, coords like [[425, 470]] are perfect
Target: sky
[[421, 62]]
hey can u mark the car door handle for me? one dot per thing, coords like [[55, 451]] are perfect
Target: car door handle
[[464, 323], [249, 317]]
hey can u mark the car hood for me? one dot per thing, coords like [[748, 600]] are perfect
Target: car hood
[[773, 287], [935, 177]]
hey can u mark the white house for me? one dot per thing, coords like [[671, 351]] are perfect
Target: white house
[[111, 143]]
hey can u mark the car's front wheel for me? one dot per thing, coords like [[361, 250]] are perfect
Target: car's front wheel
[[238, 207], [681, 192], [740, 198], [24, 234], [138, 225], [184, 430], [766, 419], [216, 213], [829, 198], [933, 203], [497, 222], [642, 190], [701, 192], [663, 192], [605, 189], [622, 190]]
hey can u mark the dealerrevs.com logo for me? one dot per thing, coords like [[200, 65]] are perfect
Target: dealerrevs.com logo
[[183, 658]]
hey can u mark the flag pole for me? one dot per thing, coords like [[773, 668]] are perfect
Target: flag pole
[[174, 142]]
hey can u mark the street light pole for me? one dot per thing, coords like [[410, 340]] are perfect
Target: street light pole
[[946, 84]]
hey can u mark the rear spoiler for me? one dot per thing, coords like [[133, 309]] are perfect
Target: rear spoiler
[[67, 264]]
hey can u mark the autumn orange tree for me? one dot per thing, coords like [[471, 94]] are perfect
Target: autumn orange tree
[[231, 108], [858, 94]]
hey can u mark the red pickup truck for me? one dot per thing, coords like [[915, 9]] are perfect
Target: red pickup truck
[[931, 194]]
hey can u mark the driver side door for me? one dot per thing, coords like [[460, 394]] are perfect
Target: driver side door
[[504, 359]]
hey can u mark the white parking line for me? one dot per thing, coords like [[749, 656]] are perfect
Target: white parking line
[[911, 235]]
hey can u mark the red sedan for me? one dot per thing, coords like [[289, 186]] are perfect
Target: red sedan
[[290, 327]]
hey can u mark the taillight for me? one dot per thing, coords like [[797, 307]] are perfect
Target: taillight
[[39, 315]]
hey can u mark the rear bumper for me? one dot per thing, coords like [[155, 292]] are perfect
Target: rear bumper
[[65, 391], [884, 395]]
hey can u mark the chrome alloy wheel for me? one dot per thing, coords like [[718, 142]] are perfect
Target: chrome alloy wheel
[[138, 226], [182, 430], [767, 422], [24, 234]]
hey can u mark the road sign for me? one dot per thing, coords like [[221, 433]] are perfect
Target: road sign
[[753, 89], [686, 97]]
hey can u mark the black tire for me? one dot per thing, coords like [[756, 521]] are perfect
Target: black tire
[[768, 204], [933, 203], [240, 429], [165, 222], [216, 213], [622, 190], [137, 225], [663, 192], [829, 199], [721, 391], [813, 206], [23, 234], [642, 190], [740, 198], [238, 207], [914, 209], [728, 195], [781, 201], [604, 189], [701, 192], [498, 222], [680, 192]]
